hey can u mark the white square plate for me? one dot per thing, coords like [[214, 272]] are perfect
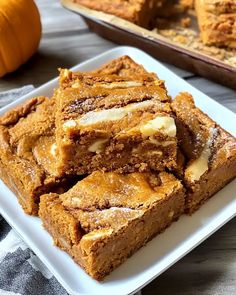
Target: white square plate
[[164, 250]]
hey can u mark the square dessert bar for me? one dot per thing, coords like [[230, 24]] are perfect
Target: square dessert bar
[[106, 217], [120, 70], [209, 151], [28, 148], [27, 157], [124, 128], [217, 22], [140, 12]]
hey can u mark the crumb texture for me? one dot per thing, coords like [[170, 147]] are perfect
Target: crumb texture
[[127, 211]]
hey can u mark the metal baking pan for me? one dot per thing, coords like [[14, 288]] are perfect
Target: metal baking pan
[[123, 32]]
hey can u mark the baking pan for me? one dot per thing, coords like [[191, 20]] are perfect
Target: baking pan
[[123, 32]]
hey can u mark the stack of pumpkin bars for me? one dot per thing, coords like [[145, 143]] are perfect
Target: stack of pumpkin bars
[[111, 160]]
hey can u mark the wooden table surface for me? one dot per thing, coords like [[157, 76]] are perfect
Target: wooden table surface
[[211, 267]]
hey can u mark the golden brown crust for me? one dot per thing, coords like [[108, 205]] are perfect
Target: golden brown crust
[[217, 22], [21, 111], [27, 142], [210, 183], [58, 221], [26, 135], [220, 6], [112, 116], [101, 227], [120, 69], [210, 152], [118, 84], [140, 12], [124, 66]]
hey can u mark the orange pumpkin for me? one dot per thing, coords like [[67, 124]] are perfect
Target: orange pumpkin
[[20, 33]]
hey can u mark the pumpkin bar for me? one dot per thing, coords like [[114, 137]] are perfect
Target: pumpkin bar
[[106, 217], [27, 152], [111, 127], [217, 22], [120, 69], [28, 148], [209, 151], [140, 12]]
